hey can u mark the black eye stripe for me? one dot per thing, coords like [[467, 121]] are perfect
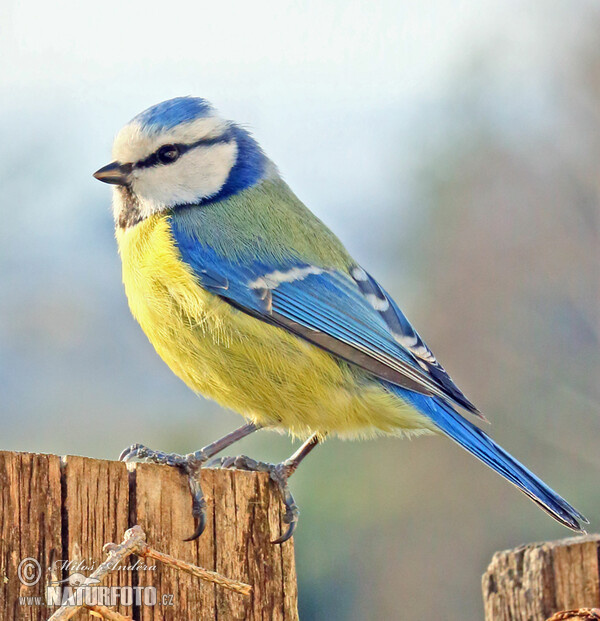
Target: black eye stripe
[[152, 160]]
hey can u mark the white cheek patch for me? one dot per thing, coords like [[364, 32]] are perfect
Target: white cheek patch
[[200, 173], [134, 143]]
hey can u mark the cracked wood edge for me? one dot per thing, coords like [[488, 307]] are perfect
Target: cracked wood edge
[[50, 511], [533, 582]]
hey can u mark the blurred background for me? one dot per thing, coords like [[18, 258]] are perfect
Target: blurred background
[[453, 146]]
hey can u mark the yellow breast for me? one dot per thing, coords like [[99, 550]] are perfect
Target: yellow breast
[[259, 370]]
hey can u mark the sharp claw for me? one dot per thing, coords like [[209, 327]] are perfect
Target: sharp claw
[[191, 465], [198, 501], [279, 474], [228, 462], [247, 463], [130, 452], [292, 513], [288, 533], [201, 525]]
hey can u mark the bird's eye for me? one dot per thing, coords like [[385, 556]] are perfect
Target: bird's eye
[[168, 153]]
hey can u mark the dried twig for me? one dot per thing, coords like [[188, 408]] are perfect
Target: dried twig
[[107, 613], [583, 614], [205, 574], [134, 542]]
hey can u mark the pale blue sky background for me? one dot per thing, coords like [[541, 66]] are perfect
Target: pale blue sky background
[[428, 135], [332, 89]]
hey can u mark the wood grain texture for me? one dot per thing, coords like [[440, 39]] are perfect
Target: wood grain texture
[[243, 517], [533, 582], [248, 517], [53, 513], [95, 510], [164, 511], [30, 527]]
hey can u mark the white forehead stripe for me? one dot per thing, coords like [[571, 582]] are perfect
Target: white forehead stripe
[[274, 279], [199, 173], [133, 143]]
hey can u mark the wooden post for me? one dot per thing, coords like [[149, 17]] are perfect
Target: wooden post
[[57, 513], [535, 581]]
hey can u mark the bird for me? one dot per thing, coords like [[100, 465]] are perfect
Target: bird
[[253, 302]]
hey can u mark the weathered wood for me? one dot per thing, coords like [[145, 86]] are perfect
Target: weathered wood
[[238, 528], [164, 510], [533, 582], [95, 510], [53, 514], [30, 530]]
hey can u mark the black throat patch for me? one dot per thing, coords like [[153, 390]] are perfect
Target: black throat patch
[[130, 214]]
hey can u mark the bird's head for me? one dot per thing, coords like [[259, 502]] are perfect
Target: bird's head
[[179, 152]]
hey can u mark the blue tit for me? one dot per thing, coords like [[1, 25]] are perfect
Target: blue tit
[[253, 302]]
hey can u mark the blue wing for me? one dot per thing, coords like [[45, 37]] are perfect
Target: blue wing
[[351, 316], [347, 314]]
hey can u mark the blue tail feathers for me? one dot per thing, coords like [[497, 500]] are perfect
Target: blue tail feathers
[[474, 440]]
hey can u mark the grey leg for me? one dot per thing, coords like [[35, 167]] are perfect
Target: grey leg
[[190, 464], [279, 473]]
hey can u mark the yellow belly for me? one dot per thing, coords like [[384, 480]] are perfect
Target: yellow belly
[[261, 371]]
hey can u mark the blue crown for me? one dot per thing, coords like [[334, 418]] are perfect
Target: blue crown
[[170, 113]]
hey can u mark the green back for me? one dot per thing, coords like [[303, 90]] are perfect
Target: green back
[[266, 222]]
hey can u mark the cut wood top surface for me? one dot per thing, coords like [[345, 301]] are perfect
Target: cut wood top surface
[[535, 581]]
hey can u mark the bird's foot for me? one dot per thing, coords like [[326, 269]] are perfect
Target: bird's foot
[[280, 474], [189, 464], [192, 463]]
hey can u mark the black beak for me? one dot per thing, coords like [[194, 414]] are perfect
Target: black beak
[[115, 173]]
